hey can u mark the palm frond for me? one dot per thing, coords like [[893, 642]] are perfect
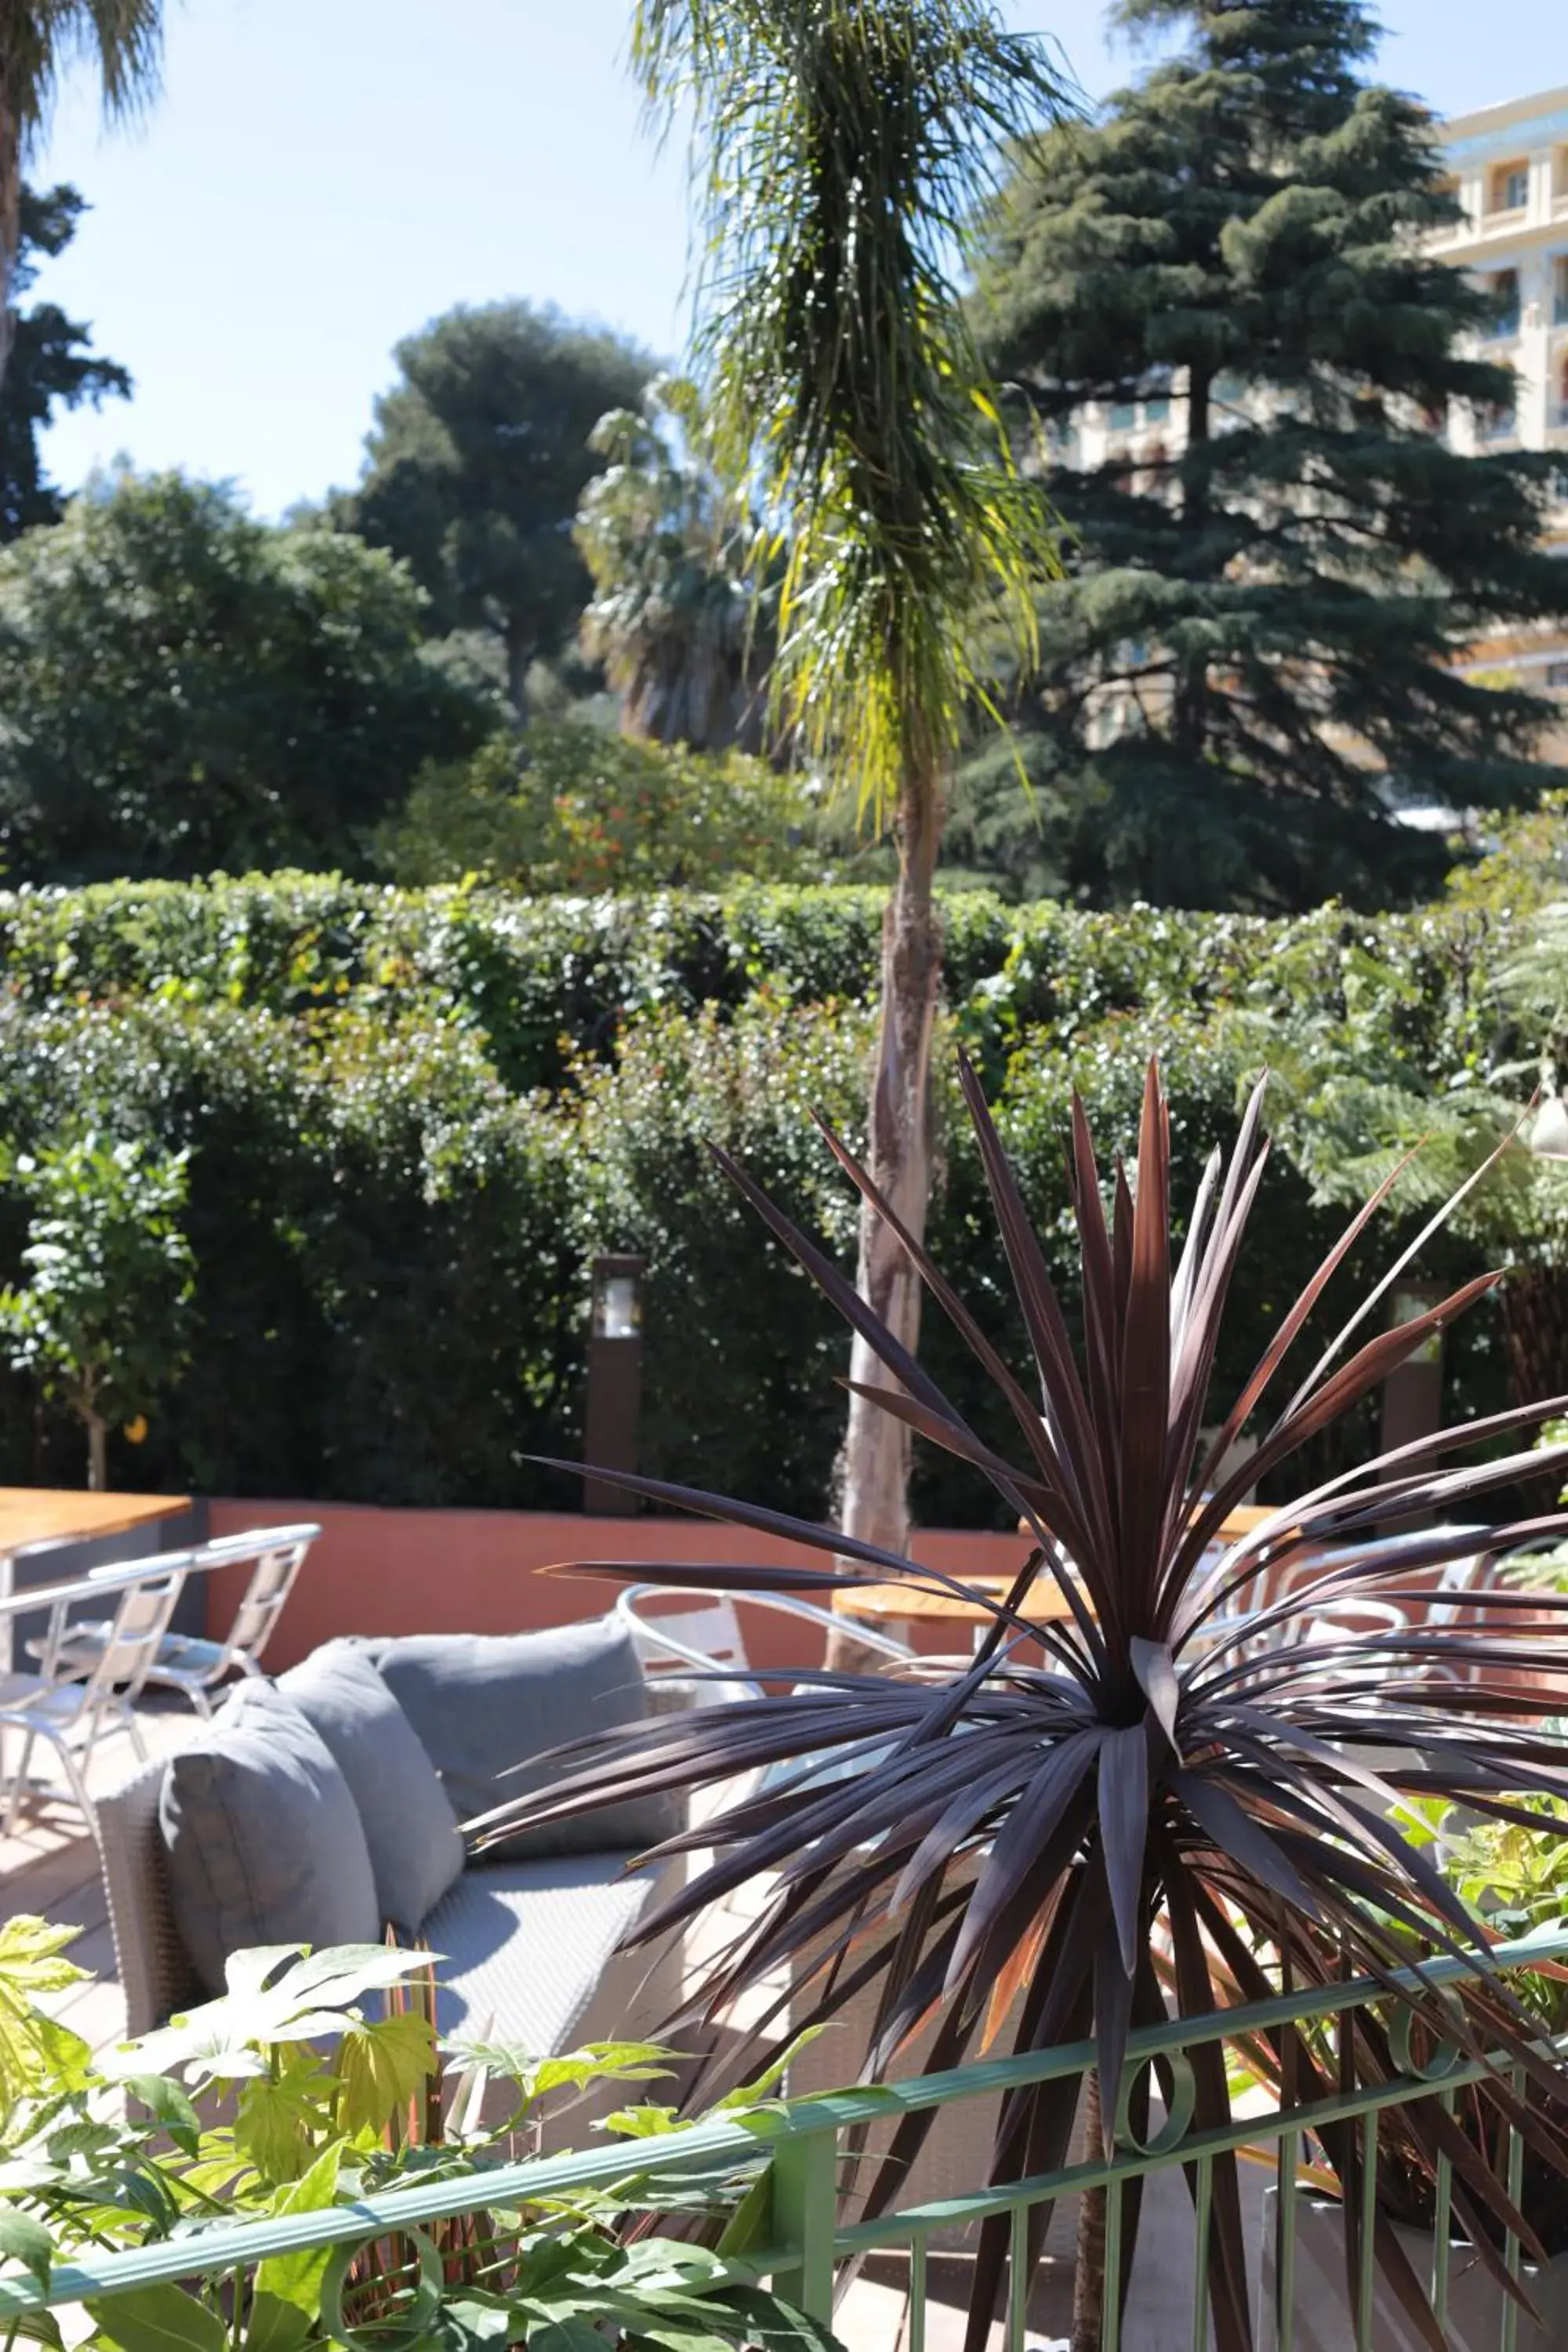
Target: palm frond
[[845, 146]]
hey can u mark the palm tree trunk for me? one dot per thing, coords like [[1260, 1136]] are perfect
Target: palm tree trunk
[[1088, 2265], [876, 1461]]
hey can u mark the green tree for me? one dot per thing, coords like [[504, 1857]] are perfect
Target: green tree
[[476, 464], [185, 688], [684, 641], [1249, 657], [39, 39], [573, 807], [102, 1323], [843, 146], [52, 364]]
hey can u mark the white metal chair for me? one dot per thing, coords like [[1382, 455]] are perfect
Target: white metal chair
[[72, 1710], [703, 1636], [189, 1663]]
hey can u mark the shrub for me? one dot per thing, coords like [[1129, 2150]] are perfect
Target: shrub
[[412, 1117]]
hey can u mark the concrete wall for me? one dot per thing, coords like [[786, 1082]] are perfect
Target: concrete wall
[[387, 1571]]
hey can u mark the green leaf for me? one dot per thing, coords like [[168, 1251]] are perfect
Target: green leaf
[[565, 2336], [381, 2067], [281, 2118], [169, 2106], [295, 2279], [158, 2319], [25, 2240]]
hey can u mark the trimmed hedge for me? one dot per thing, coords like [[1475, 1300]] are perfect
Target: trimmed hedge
[[414, 1117]]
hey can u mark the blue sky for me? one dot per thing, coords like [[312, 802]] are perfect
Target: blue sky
[[321, 176]]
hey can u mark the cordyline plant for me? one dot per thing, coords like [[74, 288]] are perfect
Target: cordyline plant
[[1194, 1794]]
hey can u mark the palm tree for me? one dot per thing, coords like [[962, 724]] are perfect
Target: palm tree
[[844, 147], [685, 644], [38, 40]]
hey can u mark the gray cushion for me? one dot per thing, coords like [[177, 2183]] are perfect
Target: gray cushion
[[525, 1946], [264, 1840], [416, 1849], [482, 1701]]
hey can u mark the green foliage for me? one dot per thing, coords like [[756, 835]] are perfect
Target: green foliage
[[574, 808], [309, 2101], [477, 461], [1248, 656], [185, 688], [413, 1116], [51, 365], [102, 1321]]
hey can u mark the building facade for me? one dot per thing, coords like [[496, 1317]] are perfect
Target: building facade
[[1508, 167]]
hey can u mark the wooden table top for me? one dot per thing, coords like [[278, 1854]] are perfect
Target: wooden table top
[[889, 1603], [36, 1515]]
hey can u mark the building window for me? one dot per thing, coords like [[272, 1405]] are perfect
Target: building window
[[1557, 676], [1122, 416], [1559, 290], [1498, 423], [1156, 410], [1511, 187], [1503, 288]]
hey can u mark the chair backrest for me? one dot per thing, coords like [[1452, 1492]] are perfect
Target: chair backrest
[[676, 1632], [276, 1556], [143, 1605]]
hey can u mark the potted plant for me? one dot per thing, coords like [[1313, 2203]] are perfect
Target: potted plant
[[1006, 1832]]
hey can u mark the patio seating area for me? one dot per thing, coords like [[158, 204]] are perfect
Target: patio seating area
[[109, 1699]]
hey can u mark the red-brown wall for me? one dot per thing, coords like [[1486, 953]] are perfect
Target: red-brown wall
[[384, 1571]]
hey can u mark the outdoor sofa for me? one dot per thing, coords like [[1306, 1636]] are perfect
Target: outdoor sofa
[[327, 1807]]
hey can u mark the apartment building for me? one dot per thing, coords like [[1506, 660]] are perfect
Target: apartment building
[[1510, 170]]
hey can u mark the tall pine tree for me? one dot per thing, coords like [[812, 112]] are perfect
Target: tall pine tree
[[1252, 651], [52, 365]]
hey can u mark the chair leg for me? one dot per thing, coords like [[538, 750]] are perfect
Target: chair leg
[[76, 1782], [201, 1699], [19, 1782]]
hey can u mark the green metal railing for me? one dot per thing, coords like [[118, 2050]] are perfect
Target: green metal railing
[[808, 2239]]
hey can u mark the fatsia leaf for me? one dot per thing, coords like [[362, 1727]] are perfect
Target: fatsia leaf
[[25, 2241], [382, 2065], [162, 2318]]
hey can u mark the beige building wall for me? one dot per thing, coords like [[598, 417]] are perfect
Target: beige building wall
[[1510, 168]]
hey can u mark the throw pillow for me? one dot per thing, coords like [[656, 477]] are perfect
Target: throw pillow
[[482, 1701], [416, 1851], [264, 1841]]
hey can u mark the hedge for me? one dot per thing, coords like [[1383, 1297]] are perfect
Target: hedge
[[414, 1117]]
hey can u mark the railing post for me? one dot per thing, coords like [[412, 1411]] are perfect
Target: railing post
[[804, 2216]]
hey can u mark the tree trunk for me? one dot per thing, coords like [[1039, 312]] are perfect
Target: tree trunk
[[1535, 1324], [1088, 2266], [519, 648], [96, 1450], [1189, 716], [10, 219], [875, 1503]]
